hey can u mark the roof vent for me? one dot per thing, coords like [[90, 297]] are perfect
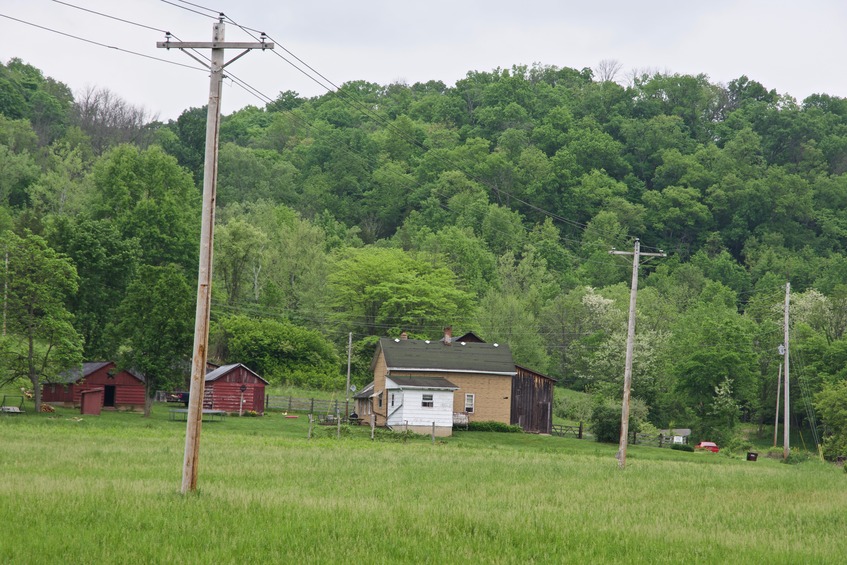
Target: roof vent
[[496, 345], [463, 343], [426, 341], [396, 340]]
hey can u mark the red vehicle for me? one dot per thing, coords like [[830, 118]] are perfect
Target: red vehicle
[[707, 445]]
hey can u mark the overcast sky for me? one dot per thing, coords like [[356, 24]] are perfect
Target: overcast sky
[[797, 47]]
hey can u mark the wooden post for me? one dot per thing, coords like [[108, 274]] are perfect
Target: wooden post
[[630, 345], [373, 425], [786, 447], [311, 421], [194, 417], [347, 389], [580, 431], [433, 432], [337, 424], [776, 417]]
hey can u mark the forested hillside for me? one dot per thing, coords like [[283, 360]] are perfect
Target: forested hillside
[[490, 206]]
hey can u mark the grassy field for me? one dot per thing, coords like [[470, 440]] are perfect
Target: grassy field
[[104, 489]]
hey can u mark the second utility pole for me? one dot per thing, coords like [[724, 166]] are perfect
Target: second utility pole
[[204, 277], [630, 345]]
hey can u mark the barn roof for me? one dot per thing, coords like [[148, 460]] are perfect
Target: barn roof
[[226, 369], [75, 374], [424, 383], [455, 357]]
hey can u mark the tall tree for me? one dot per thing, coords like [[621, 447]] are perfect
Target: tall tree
[[154, 328], [40, 340]]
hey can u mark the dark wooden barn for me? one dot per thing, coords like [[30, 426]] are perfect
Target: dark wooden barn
[[121, 389], [232, 388], [532, 400]]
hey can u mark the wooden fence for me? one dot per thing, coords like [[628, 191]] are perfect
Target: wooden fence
[[307, 405], [562, 431]]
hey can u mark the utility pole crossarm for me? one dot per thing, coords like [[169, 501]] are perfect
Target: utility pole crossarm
[[212, 45]]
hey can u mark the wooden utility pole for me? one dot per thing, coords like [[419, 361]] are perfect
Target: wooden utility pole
[[347, 390], [204, 277], [786, 448], [630, 345], [776, 418]]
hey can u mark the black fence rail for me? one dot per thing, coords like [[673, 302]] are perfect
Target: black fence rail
[[307, 405]]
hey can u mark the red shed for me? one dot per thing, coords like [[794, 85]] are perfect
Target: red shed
[[121, 389], [231, 386]]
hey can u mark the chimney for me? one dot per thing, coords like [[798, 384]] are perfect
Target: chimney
[[448, 335], [404, 336]]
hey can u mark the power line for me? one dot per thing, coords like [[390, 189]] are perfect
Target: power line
[[109, 16], [97, 43]]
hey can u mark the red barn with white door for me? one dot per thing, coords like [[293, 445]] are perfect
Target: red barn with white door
[[231, 387]]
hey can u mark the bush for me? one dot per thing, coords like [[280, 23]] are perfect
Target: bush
[[494, 427], [682, 447], [795, 457], [606, 422]]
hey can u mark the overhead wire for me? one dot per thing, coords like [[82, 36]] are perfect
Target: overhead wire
[[99, 44]]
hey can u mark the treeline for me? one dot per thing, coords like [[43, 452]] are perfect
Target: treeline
[[490, 206]]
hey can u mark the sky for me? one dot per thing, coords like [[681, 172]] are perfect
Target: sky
[[796, 47]]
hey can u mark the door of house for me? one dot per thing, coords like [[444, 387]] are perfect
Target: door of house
[[109, 396], [259, 400]]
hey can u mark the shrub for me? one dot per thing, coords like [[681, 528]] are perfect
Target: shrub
[[796, 456], [493, 427], [682, 447], [606, 422]]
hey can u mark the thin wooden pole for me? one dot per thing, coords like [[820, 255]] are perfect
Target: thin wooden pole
[[630, 346], [204, 276], [347, 389], [776, 417], [786, 447]]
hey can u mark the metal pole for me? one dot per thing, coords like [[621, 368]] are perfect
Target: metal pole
[[204, 277], [786, 447], [776, 418]]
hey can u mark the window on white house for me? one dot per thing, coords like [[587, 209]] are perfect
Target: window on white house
[[469, 400], [426, 401]]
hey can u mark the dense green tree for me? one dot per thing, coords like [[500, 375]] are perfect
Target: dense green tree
[[150, 199], [154, 328], [281, 352], [39, 340], [105, 264]]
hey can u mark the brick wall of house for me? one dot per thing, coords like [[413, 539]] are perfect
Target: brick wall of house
[[492, 393]]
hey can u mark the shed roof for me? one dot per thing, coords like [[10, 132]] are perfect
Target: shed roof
[[457, 357], [424, 383], [75, 374], [365, 392], [226, 369]]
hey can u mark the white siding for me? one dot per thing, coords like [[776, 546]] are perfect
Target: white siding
[[414, 414]]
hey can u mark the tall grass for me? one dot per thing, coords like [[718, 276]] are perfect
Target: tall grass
[[104, 489]]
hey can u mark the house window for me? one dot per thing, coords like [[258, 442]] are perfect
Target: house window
[[426, 401], [469, 399], [379, 400]]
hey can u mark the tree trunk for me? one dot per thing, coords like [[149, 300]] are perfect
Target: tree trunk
[[36, 394], [148, 397]]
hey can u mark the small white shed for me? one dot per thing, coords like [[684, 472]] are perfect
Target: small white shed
[[416, 403]]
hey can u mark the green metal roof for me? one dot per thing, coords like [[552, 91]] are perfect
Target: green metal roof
[[459, 357]]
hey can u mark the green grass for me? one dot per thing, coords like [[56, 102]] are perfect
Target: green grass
[[105, 489]]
